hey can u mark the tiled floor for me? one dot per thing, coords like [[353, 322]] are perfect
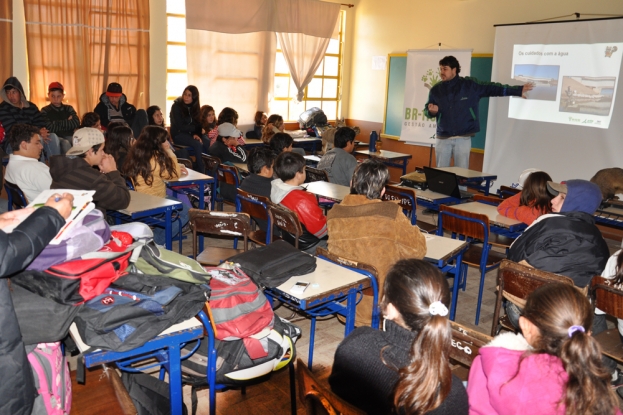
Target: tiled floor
[[273, 396]]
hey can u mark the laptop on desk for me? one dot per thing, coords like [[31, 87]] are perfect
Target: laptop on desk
[[444, 182]]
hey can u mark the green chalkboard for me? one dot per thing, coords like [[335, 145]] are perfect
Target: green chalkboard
[[394, 97]]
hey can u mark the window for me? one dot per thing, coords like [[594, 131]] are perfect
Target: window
[[177, 78], [324, 91]]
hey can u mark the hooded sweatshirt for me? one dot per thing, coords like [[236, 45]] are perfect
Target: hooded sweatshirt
[[105, 110], [10, 114], [497, 387], [566, 243], [182, 120]]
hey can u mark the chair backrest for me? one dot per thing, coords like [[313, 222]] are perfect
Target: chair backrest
[[490, 200], [187, 163], [506, 191], [255, 206], [128, 182], [219, 223], [228, 174], [406, 199], [520, 281], [286, 220], [317, 398], [472, 225], [315, 175], [607, 297], [16, 197], [466, 344], [211, 164]]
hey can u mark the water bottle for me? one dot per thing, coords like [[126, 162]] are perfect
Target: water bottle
[[373, 137]]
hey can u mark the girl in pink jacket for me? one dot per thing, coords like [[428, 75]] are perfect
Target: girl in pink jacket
[[554, 368]]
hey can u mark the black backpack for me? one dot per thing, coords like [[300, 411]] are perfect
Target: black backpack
[[313, 117], [149, 394]]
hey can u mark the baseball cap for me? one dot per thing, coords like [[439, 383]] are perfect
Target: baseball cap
[[56, 86], [114, 90], [555, 188], [84, 139], [228, 130]]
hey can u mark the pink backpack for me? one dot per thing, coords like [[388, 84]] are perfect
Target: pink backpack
[[51, 373]]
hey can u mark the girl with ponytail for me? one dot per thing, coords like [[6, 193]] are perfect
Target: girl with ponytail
[[403, 368], [554, 368]]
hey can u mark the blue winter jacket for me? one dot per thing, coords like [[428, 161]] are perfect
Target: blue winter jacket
[[457, 100]]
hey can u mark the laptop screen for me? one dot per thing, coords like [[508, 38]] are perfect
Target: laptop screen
[[442, 182]]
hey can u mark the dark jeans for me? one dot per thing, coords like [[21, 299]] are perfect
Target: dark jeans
[[185, 139]]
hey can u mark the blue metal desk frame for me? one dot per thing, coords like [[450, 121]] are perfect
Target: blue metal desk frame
[[400, 161], [445, 267]]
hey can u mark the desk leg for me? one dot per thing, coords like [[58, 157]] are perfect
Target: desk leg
[[455, 285], [351, 306], [202, 205], [167, 229], [404, 166], [175, 380], [488, 184]]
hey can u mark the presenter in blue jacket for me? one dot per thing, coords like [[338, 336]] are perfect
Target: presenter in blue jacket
[[454, 103]]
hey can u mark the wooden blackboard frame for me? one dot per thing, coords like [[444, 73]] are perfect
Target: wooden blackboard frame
[[394, 95]]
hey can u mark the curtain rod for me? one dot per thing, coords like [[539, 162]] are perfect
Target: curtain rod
[[347, 5]]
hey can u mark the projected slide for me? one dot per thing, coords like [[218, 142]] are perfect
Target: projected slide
[[573, 84]]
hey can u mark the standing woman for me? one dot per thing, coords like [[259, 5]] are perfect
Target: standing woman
[[186, 126], [208, 123], [149, 163], [405, 366]]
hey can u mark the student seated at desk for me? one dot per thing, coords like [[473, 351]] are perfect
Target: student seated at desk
[[287, 190], [281, 142], [405, 365], [260, 164], [532, 202], [149, 163], [364, 228], [118, 142], [338, 162], [75, 171]]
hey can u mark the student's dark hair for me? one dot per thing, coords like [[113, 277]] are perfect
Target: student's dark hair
[[288, 164], [274, 118], [411, 286], [618, 277], [343, 136], [229, 115], [260, 157], [258, 117], [451, 62], [19, 133], [553, 309], [150, 115], [112, 125], [148, 145], [534, 192], [118, 141], [89, 119], [194, 106], [369, 179], [279, 141], [203, 117], [95, 149]]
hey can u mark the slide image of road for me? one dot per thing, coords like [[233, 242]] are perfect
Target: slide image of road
[[587, 94], [544, 78]]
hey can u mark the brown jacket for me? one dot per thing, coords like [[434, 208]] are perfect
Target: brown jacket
[[374, 232]]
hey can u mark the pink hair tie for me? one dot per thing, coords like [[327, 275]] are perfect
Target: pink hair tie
[[574, 329]]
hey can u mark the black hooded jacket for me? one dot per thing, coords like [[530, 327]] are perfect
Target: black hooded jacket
[[11, 115], [128, 111], [182, 120]]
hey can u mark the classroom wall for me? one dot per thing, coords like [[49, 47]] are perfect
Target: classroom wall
[[391, 26]]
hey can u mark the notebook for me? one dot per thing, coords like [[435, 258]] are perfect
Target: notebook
[[444, 182]]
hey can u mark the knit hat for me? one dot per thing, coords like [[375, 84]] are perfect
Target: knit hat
[[582, 195], [84, 139], [56, 86], [228, 130], [114, 90]]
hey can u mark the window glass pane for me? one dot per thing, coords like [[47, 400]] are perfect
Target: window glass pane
[[167, 119], [334, 46], [329, 89], [330, 109], [176, 29], [176, 57], [280, 64], [314, 89], [296, 109], [309, 104], [320, 68], [279, 107], [281, 86], [331, 65], [176, 7], [176, 82]]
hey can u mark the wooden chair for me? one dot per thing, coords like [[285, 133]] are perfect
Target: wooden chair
[[517, 281], [211, 164], [408, 202], [257, 208], [490, 200], [494, 238], [315, 175], [229, 175], [505, 192], [466, 344], [319, 400], [474, 228], [608, 299], [16, 197], [222, 224], [286, 220], [186, 162]]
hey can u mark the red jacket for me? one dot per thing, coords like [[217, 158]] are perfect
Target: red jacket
[[306, 207]]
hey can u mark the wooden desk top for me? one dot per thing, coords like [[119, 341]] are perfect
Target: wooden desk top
[[491, 211], [440, 248], [140, 202], [253, 141], [328, 190], [242, 166], [312, 158], [328, 278], [192, 175], [429, 195], [384, 154], [466, 173]]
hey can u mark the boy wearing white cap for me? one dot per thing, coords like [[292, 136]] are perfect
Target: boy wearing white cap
[[226, 147]]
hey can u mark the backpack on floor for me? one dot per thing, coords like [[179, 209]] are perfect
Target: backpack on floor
[[52, 380], [149, 394]]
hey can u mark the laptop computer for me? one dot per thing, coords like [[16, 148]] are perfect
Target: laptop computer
[[444, 182]]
